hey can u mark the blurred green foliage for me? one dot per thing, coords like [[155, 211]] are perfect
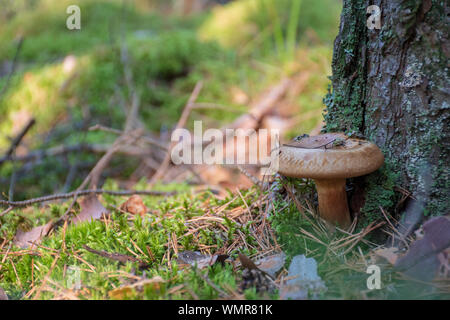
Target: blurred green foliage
[[167, 53], [257, 27]]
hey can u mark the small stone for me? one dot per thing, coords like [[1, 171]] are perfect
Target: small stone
[[302, 277], [272, 264], [303, 269]]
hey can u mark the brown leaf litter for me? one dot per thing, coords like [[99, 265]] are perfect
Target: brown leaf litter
[[201, 261], [135, 206], [421, 261], [254, 277], [91, 209], [25, 239], [390, 254], [272, 264]]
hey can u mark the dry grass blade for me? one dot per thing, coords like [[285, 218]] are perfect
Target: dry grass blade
[[82, 193], [181, 123], [366, 231], [6, 211], [43, 284], [394, 229], [317, 226]]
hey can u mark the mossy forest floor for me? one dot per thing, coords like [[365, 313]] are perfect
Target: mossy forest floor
[[248, 222]]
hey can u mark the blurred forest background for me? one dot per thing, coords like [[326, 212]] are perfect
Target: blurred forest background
[[62, 82]]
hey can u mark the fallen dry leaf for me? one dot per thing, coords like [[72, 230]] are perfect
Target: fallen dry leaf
[[272, 264], [134, 205], [421, 261], [24, 239], [221, 258], [128, 291], [91, 209], [390, 254], [246, 262], [196, 259]]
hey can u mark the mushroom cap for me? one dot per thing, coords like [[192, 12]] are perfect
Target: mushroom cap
[[329, 156]]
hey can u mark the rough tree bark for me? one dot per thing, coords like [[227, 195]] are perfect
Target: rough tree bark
[[392, 85]]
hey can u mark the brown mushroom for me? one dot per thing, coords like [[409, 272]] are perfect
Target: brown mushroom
[[329, 159]]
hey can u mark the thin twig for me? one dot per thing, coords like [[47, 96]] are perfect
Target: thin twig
[[126, 138], [15, 143], [6, 211], [62, 149], [365, 232], [132, 114], [79, 193], [401, 237], [181, 123], [297, 203], [147, 139], [106, 129], [70, 178], [252, 178], [95, 173], [12, 183], [13, 68], [12, 149]]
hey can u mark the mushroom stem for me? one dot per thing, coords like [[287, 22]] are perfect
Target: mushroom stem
[[333, 205]]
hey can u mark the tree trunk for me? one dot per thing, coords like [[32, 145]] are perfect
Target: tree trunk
[[392, 85]]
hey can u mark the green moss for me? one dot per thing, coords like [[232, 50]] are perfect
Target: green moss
[[169, 54], [380, 192], [432, 181], [345, 101], [297, 235], [121, 234]]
